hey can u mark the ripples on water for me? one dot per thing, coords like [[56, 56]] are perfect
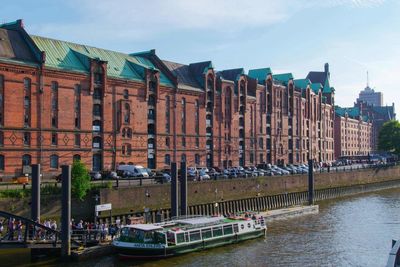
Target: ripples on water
[[352, 231]]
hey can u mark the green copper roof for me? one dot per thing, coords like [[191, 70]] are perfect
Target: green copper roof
[[283, 78], [316, 87], [302, 83], [260, 74], [75, 57], [327, 88], [351, 112]]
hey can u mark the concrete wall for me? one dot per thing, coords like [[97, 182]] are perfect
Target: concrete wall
[[134, 199]]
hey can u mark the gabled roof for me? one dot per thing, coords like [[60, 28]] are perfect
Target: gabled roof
[[316, 87], [283, 78], [302, 83], [231, 74], [199, 69], [321, 77], [186, 79], [260, 74], [14, 46]]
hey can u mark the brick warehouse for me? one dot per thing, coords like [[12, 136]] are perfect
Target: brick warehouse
[[61, 101]]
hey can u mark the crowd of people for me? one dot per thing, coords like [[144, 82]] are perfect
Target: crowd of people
[[12, 229]]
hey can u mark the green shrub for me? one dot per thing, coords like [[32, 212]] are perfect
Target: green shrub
[[80, 180]]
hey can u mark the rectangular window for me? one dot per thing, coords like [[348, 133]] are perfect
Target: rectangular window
[[180, 238], [2, 163], [194, 236], [197, 142], [54, 139], [183, 121], [27, 138], [77, 140], [217, 231], [206, 233], [228, 230], [183, 141]]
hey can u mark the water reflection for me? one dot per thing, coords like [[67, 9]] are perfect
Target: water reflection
[[352, 231]]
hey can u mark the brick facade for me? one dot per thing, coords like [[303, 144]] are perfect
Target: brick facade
[[353, 136], [65, 104]]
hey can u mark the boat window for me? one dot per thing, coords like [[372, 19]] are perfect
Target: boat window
[[194, 236], [228, 230], [159, 238], [171, 238], [217, 231], [248, 225], [236, 228], [206, 233], [187, 237], [180, 238]]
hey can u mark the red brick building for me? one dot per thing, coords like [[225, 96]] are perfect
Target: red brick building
[[353, 133], [61, 101]]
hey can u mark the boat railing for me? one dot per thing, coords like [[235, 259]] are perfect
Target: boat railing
[[183, 217]]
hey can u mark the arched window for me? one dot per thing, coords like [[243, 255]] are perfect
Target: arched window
[[167, 159], [126, 94], [2, 162], [54, 161], [54, 104], [126, 149], [197, 159], [76, 157], [183, 157], [96, 125], [26, 160]]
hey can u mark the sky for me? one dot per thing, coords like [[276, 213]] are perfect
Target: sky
[[298, 36]]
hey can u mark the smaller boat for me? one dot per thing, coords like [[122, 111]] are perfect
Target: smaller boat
[[186, 234]]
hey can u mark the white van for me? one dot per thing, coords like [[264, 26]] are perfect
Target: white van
[[132, 171]]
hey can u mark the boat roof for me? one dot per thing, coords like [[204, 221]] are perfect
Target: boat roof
[[200, 220], [145, 227]]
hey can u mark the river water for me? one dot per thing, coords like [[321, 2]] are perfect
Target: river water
[[350, 231]]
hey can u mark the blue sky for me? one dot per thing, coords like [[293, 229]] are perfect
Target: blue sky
[[354, 36]]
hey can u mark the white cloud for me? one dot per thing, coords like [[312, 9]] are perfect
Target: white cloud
[[137, 20]]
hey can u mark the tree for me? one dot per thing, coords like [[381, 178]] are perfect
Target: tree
[[80, 179], [389, 137]]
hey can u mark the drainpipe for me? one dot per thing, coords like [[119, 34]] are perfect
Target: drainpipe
[[40, 104]]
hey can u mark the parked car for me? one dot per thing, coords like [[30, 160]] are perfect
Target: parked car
[[203, 175], [133, 171], [162, 177], [94, 175]]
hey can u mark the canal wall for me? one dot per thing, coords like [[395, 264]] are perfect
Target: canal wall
[[251, 193]]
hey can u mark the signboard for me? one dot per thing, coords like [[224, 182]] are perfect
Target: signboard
[[103, 207]]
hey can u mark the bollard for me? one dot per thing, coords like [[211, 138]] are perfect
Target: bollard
[[35, 200], [141, 181], [174, 189], [183, 181], [310, 182], [66, 212], [117, 182]]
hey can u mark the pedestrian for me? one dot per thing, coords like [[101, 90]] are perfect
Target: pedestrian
[[11, 228], [19, 230]]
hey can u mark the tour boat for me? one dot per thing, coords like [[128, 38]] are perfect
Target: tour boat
[[186, 234]]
